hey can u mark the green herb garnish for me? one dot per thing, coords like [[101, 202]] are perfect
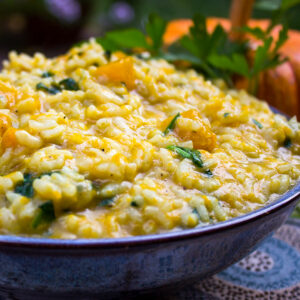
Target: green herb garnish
[[195, 211], [134, 204], [258, 124], [226, 114], [287, 142], [193, 155], [53, 90], [129, 39], [171, 126], [47, 74], [109, 202], [46, 214], [25, 188], [69, 84], [208, 172]]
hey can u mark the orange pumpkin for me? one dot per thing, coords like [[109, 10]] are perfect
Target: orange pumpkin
[[279, 86]]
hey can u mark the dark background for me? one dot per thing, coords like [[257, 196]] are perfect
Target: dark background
[[52, 26]]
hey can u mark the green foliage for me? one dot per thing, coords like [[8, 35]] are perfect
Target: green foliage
[[69, 84], [172, 124], [25, 188], [46, 214], [258, 124]]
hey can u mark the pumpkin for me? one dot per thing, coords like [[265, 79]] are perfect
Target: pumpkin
[[279, 86]]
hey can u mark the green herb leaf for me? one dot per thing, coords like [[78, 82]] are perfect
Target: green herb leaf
[[193, 155], [69, 84], [195, 211], [25, 188], [226, 114], [258, 124], [261, 58], [235, 64], [46, 214], [155, 28], [47, 74], [255, 31], [109, 202], [287, 142], [53, 90], [123, 39], [134, 204], [171, 126]]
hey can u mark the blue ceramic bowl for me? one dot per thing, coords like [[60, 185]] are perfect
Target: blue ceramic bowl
[[33, 268]]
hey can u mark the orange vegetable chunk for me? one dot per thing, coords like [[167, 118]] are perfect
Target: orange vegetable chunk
[[118, 71]]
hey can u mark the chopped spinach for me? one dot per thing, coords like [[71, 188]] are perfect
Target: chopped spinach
[[53, 89], [107, 202], [25, 188], [47, 74], [287, 142], [46, 214], [226, 114], [69, 84], [258, 124], [171, 126]]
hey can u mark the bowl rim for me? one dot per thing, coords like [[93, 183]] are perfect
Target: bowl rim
[[32, 242]]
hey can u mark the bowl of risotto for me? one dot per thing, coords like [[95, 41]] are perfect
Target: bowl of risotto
[[114, 164]]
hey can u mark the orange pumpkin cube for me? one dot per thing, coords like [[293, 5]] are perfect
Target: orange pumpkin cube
[[118, 71], [9, 138]]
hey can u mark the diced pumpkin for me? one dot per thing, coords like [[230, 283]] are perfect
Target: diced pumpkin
[[9, 139], [190, 126], [120, 71]]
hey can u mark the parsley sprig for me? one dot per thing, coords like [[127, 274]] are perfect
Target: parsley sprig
[[212, 53], [132, 38], [171, 125], [193, 155]]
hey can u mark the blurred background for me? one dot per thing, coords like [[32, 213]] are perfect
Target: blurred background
[[52, 26]]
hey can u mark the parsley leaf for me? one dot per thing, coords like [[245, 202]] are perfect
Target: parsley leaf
[[171, 126], [108, 202], [287, 143], [47, 74], [46, 214], [123, 39], [258, 124], [193, 155], [69, 84], [155, 28], [53, 90], [25, 188]]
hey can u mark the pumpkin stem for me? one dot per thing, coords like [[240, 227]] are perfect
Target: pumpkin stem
[[240, 13], [253, 85]]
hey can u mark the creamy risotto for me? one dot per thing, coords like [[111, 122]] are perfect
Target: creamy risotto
[[97, 145]]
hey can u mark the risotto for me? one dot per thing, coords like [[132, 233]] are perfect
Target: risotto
[[97, 144]]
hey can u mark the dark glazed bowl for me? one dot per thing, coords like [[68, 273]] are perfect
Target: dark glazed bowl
[[52, 269]]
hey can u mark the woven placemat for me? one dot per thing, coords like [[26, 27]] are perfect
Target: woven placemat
[[271, 272]]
